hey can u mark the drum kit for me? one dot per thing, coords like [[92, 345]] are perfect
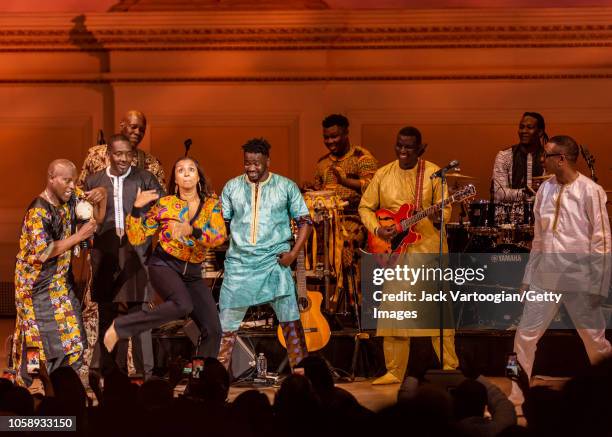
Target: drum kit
[[492, 227]]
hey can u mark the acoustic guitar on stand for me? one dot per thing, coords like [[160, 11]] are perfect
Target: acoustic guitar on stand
[[316, 328], [404, 221]]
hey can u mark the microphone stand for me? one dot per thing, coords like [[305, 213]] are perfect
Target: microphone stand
[[590, 161], [440, 375], [442, 177]]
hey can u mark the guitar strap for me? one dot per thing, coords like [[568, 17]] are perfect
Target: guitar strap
[[418, 201]]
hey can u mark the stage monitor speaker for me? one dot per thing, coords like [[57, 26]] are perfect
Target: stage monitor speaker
[[243, 358]]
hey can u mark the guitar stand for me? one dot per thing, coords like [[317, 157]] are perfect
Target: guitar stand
[[343, 304], [359, 335], [331, 314]]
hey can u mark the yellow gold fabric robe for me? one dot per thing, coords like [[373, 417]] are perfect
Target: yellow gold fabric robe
[[390, 188]]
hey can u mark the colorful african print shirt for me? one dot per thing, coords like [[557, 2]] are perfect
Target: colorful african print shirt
[[209, 227], [357, 163], [48, 312]]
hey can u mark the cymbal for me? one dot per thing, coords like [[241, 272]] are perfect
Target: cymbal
[[459, 176]]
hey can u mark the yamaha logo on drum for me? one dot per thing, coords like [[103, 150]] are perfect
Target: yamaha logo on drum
[[506, 257]]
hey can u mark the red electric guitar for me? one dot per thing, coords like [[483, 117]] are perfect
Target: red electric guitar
[[405, 219]]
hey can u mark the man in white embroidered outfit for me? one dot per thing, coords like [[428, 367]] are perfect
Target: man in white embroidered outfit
[[133, 125], [119, 274], [570, 256]]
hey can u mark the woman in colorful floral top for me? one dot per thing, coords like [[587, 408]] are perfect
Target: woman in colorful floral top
[[189, 222]]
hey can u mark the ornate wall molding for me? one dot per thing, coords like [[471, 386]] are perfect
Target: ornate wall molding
[[238, 118], [12, 209], [308, 30], [117, 79]]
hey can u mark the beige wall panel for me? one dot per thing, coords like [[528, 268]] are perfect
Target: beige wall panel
[[38, 124], [221, 63], [21, 65], [466, 120], [221, 117], [218, 150]]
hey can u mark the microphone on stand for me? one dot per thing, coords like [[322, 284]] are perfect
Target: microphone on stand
[[440, 172], [590, 160]]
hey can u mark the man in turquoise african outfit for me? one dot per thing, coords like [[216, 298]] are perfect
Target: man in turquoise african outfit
[[260, 205]]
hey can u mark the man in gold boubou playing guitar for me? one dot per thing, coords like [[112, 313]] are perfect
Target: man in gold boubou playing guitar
[[406, 181]]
